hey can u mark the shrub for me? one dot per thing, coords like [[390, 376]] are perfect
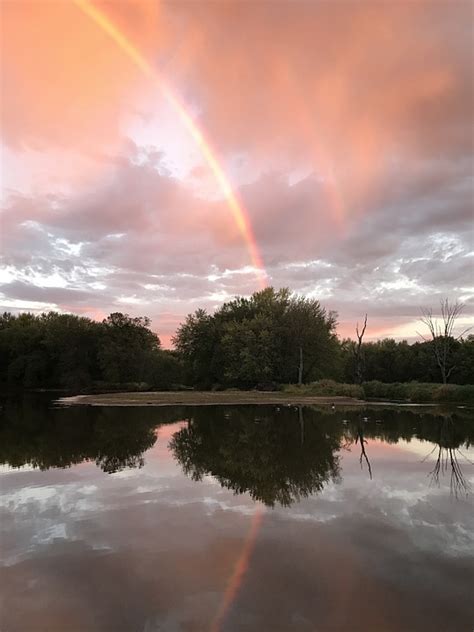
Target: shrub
[[326, 388], [454, 393], [419, 392], [382, 390], [416, 392]]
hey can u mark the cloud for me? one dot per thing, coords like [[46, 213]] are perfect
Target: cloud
[[345, 128]]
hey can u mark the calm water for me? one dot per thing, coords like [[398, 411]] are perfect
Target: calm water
[[235, 518]]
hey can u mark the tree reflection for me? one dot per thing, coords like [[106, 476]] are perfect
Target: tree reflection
[[44, 437], [355, 434], [362, 442], [449, 457], [276, 456], [280, 455]]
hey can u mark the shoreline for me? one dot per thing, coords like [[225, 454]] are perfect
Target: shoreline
[[217, 398]]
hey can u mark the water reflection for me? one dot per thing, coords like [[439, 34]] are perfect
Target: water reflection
[[449, 457], [262, 452], [135, 544], [277, 460], [362, 441], [44, 437], [278, 455]]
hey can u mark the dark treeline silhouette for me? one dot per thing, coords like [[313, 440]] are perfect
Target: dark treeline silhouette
[[71, 352], [392, 361], [278, 455], [269, 339]]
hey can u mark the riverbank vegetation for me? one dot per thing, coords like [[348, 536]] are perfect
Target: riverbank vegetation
[[416, 392], [266, 341]]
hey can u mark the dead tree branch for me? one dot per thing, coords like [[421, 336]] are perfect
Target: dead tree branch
[[441, 334], [358, 353]]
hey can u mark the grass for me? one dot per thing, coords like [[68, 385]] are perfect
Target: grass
[[321, 392], [419, 392], [415, 392], [326, 388]]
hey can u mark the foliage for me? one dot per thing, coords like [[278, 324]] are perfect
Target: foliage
[[271, 338], [390, 361], [444, 342], [255, 340], [326, 388], [71, 352], [418, 392]]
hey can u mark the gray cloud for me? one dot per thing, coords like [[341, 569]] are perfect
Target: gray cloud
[[372, 101], [143, 242]]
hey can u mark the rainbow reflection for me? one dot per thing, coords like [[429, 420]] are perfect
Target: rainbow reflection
[[239, 571]]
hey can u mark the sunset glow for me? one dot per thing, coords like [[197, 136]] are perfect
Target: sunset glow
[[237, 314], [162, 157]]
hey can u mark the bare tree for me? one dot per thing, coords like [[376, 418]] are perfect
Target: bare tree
[[441, 333], [358, 353]]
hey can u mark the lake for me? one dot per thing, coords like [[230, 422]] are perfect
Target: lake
[[235, 518]]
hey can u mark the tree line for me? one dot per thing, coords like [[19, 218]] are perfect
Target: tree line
[[72, 352], [268, 339]]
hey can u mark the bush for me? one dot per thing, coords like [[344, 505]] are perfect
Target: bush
[[419, 392], [454, 393], [267, 386], [382, 390], [326, 388], [415, 392]]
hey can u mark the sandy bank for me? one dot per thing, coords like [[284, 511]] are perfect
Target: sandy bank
[[201, 398]]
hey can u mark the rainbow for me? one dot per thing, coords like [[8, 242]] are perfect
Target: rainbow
[[238, 211], [239, 571]]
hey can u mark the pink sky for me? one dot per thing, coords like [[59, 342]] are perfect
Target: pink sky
[[343, 128]]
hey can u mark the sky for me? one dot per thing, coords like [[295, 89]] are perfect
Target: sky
[[158, 157]]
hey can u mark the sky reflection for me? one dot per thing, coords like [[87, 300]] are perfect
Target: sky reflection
[[148, 548]]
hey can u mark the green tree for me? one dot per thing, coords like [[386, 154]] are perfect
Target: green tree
[[259, 339], [124, 347], [54, 350]]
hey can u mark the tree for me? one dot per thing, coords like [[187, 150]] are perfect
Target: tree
[[54, 350], [441, 332], [196, 342], [124, 348], [259, 340], [311, 346], [358, 353]]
